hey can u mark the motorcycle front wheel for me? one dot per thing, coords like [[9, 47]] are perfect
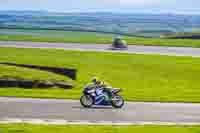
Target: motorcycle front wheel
[[117, 101], [86, 101]]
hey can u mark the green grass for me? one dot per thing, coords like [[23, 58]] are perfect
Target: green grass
[[163, 42], [182, 34], [88, 37], [29, 74], [27, 128], [57, 36], [142, 77]]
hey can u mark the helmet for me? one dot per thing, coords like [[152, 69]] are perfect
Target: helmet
[[96, 81]]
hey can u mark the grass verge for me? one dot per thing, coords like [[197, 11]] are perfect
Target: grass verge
[[142, 77], [29, 74], [27, 128]]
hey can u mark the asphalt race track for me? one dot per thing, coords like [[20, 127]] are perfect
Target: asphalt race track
[[174, 51], [71, 110]]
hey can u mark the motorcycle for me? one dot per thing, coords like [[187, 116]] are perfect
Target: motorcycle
[[99, 96]]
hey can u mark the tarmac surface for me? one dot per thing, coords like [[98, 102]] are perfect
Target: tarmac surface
[[135, 49], [71, 110]]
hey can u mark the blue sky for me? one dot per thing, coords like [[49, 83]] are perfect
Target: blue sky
[[155, 6]]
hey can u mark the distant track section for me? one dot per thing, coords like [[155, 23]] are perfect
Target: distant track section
[[132, 49]]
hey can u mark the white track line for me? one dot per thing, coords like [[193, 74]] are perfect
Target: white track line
[[66, 122]]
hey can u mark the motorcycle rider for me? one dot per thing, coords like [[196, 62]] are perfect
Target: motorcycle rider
[[97, 84]]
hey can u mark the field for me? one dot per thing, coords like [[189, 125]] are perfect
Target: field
[[88, 37], [138, 24], [142, 77], [27, 128], [100, 27]]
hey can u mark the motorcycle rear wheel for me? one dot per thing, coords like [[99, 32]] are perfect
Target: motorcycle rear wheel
[[86, 101]]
